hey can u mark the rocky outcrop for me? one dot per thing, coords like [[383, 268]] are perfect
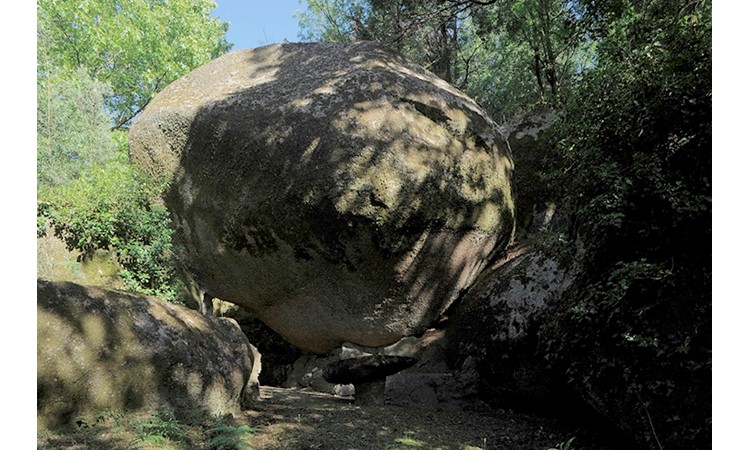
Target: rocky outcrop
[[279, 357], [55, 262], [538, 206], [338, 191], [428, 382], [307, 373], [435, 388], [367, 374], [497, 323], [100, 350]]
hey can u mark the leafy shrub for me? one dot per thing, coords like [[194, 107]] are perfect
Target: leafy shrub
[[633, 337], [228, 437], [88, 192], [116, 207]]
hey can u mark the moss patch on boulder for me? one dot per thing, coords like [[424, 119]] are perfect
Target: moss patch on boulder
[[338, 191]]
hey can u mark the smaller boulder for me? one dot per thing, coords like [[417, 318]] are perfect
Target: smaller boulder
[[367, 374], [307, 373], [497, 324], [456, 389], [100, 350]]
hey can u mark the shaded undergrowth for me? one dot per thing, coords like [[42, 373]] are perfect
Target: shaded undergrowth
[[156, 430]]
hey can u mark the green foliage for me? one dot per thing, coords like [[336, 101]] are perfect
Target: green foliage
[[98, 64], [543, 44], [72, 126], [634, 159], [331, 20], [485, 55], [567, 445], [228, 437], [41, 224], [219, 433], [510, 55], [162, 427], [115, 207], [424, 31], [138, 46], [636, 143], [89, 193]]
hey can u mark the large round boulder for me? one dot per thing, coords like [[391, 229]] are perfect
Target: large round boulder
[[338, 191]]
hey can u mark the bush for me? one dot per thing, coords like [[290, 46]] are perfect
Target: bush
[[73, 130], [89, 193], [634, 336], [116, 207], [228, 437]]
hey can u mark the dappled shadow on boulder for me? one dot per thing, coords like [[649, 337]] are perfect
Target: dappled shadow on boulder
[[101, 350], [338, 191], [497, 325]]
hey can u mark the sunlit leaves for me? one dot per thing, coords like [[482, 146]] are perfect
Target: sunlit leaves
[[72, 126], [137, 46], [332, 20], [114, 207], [99, 64]]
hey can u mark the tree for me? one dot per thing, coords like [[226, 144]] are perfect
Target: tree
[[137, 46], [415, 28], [99, 62], [73, 130], [511, 55], [494, 70], [551, 33], [634, 162], [89, 193], [332, 20]]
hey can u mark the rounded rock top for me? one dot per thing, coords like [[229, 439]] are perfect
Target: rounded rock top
[[337, 190]]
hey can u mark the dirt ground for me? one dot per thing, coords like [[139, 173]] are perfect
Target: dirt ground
[[292, 419], [299, 419]]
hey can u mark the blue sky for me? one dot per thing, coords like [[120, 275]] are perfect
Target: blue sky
[[254, 23]]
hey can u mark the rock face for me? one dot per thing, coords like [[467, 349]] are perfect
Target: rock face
[[498, 321], [307, 373], [338, 191], [100, 350], [447, 389], [537, 205]]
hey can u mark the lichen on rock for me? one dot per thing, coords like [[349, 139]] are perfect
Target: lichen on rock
[[338, 191], [101, 350]]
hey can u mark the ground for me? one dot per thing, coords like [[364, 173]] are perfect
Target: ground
[[298, 419]]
